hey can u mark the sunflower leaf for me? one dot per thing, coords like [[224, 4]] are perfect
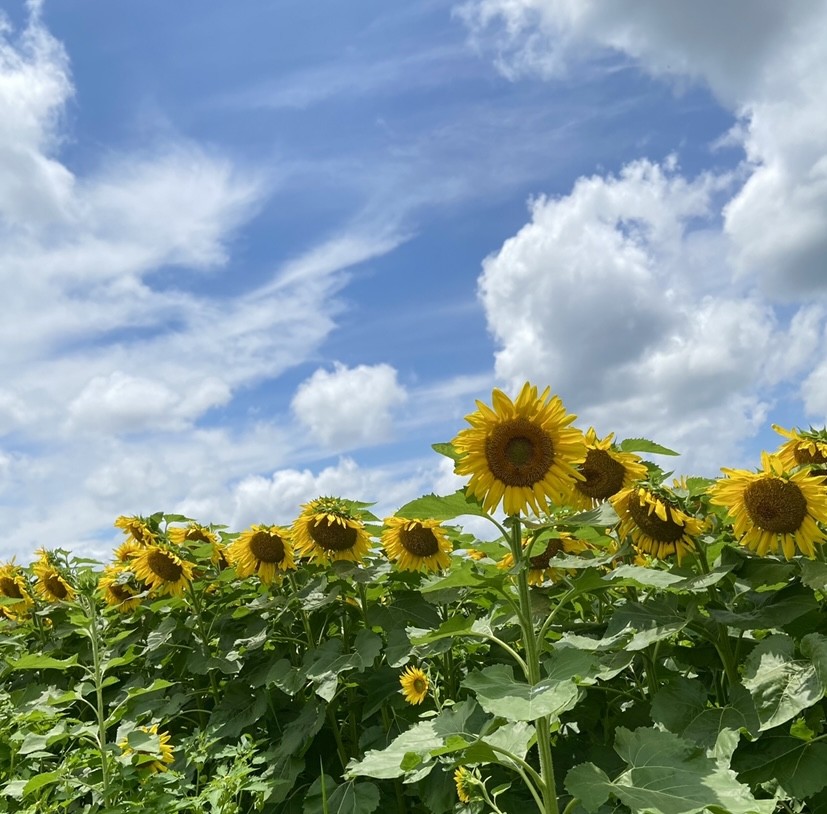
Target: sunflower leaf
[[33, 661], [644, 445], [448, 451], [796, 764], [442, 507]]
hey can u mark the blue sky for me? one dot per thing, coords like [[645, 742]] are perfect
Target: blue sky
[[257, 252]]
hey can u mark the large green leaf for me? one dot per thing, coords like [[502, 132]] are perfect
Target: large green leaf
[[797, 765], [442, 507], [644, 445], [348, 798], [499, 693], [35, 661], [651, 621], [781, 686], [327, 662], [666, 775]]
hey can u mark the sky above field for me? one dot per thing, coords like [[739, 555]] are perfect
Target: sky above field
[[256, 252]]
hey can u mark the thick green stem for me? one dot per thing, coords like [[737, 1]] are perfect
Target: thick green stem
[[204, 639], [97, 670]]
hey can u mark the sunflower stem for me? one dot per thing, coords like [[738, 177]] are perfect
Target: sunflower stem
[[202, 636], [97, 675]]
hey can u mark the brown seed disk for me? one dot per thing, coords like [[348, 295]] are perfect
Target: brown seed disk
[[267, 547], [663, 531], [9, 588], [519, 453], [419, 540], [55, 586], [774, 504], [120, 592], [603, 475], [197, 536], [804, 456], [163, 566], [541, 561], [331, 536]]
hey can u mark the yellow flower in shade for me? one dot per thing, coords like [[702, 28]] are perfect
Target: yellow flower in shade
[[464, 781], [539, 570], [656, 525], [118, 588], [804, 447], [13, 585], [195, 533], [329, 529], [475, 554], [51, 584], [162, 570], [137, 528], [605, 472], [415, 685], [774, 511], [165, 754], [521, 453], [416, 545], [263, 550], [128, 549]]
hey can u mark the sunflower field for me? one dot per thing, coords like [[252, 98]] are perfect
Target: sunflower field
[[629, 642]]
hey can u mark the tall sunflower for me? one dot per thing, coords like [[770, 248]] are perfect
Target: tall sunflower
[[51, 583], [654, 521], [774, 511], [803, 447], [195, 533], [415, 685], [165, 754], [605, 471], [119, 589], [539, 568], [138, 528], [162, 570], [13, 585], [330, 528], [522, 453], [263, 550], [416, 545]]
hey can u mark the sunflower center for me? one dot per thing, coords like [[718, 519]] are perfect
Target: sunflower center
[[54, 584], [267, 547], [662, 531], [120, 592], [9, 588], [420, 685], [519, 453], [540, 562], [197, 536], [775, 505], [804, 456], [162, 565], [603, 475], [332, 536], [419, 540]]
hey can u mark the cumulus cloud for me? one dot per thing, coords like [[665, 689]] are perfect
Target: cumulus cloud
[[349, 407]]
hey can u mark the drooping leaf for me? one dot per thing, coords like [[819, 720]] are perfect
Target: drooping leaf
[[35, 661], [442, 507], [348, 798], [644, 445], [797, 765], [590, 784], [814, 574]]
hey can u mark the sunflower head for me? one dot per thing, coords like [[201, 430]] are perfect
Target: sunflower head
[[803, 448], [539, 565], [194, 535], [13, 585], [53, 580], [163, 755], [136, 528], [651, 515], [119, 588], [522, 453], [774, 510], [162, 569], [263, 550], [465, 781], [605, 471], [416, 545], [415, 685], [330, 528]]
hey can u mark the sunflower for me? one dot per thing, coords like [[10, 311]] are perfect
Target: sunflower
[[465, 782], [415, 685], [805, 447], [263, 550], [522, 452], [539, 570], [329, 529], [118, 588], [165, 751], [416, 545], [196, 533], [13, 585], [162, 570], [475, 554], [137, 528], [774, 510], [51, 584], [605, 472], [128, 549], [655, 523]]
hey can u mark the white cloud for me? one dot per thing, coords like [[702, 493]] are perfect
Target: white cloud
[[349, 407]]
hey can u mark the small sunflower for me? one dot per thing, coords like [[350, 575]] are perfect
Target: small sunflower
[[774, 511], [118, 588], [263, 550], [805, 447], [416, 545], [465, 782], [522, 453], [51, 583], [128, 549], [162, 570], [475, 554], [605, 472], [13, 585], [539, 570], [655, 523], [196, 533], [165, 751], [137, 528], [329, 529], [415, 685]]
